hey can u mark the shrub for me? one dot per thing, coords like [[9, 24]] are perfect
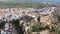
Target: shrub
[[35, 28]]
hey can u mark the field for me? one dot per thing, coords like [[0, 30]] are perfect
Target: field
[[25, 5]]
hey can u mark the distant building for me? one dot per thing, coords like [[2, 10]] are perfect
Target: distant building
[[6, 26]]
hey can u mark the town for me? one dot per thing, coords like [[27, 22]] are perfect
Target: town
[[21, 20]]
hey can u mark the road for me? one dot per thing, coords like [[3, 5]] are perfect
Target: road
[[14, 31]]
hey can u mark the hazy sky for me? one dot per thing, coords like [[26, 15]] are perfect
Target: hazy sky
[[6, 0], [29, 0]]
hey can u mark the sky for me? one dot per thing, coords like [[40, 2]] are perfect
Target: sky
[[7, 0], [29, 0]]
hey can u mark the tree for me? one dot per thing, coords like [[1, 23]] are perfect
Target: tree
[[35, 27]]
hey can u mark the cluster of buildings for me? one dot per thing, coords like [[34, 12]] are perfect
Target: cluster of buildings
[[7, 29], [15, 13], [27, 14]]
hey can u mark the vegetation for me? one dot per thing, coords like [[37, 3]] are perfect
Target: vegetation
[[35, 28], [16, 23], [56, 29], [2, 24], [24, 5]]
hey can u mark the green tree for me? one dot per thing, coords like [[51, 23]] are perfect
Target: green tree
[[35, 27]]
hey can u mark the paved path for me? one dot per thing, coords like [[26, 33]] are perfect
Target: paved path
[[14, 31]]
